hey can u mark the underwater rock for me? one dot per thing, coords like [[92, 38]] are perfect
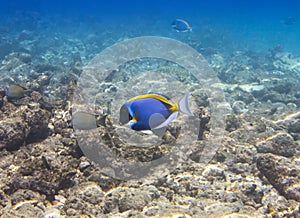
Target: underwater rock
[[239, 107], [282, 173], [41, 170], [22, 56], [219, 209], [48, 68], [25, 35], [91, 193], [131, 199], [251, 127], [84, 164], [42, 79], [24, 124], [29, 207], [12, 133], [16, 68], [281, 144], [2, 94], [85, 198], [239, 69], [243, 153], [213, 171], [272, 97], [105, 182], [243, 92], [276, 205], [246, 97], [61, 119], [286, 62], [283, 86], [294, 126], [165, 210], [292, 106], [277, 108], [291, 123], [53, 213], [254, 87], [217, 61], [71, 74], [24, 194], [37, 122], [233, 122]]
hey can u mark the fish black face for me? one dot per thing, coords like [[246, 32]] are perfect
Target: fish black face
[[124, 115]]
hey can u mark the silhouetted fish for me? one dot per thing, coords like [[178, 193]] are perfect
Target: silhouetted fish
[[16, 91], [181, 25], [84, 120], [289, 21]]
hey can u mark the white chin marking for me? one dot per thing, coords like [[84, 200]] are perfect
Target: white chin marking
[[129, 124], [147, 132]]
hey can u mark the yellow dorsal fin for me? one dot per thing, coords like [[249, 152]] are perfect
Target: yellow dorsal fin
[[173, 107]]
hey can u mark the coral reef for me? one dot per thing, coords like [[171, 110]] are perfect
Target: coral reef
[[255, 172]]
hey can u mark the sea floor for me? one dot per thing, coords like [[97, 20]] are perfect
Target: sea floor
[[254, 173]]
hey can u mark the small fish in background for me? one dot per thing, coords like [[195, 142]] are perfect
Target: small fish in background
[[16, 91], [85, 121], [289, 21], [152, 113], [181, 25]]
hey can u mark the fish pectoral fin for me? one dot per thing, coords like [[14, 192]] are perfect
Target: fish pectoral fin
[[160, 132], [184, 105], [161, 122], [158, 123], [156, 120]]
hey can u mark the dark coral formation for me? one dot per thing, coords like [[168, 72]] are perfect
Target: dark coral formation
[[23, 124], [282, 173]]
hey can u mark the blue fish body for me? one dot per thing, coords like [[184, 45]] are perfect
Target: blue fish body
[[151, 113], [143, 109], [181, 25]]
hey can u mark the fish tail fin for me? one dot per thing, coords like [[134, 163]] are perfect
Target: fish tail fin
[[183, 105], [191, 29]]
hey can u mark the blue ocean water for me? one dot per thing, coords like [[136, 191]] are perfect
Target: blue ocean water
[[225, 25], [253, 47]]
